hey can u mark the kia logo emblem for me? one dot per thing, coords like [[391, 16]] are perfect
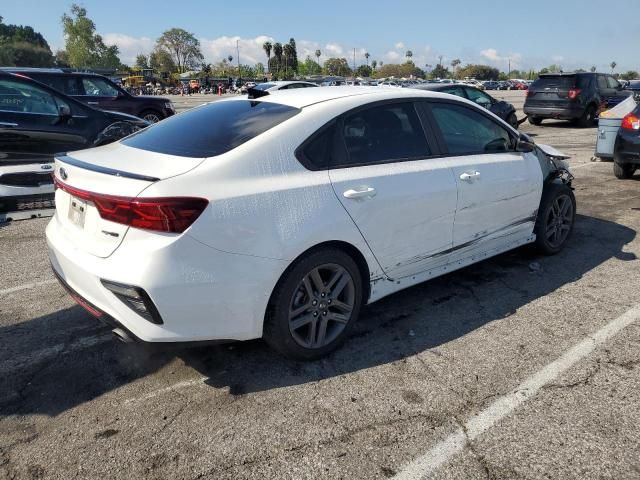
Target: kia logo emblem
[[63, 173], [46, 167]]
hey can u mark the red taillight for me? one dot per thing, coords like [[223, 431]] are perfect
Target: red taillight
[[631, 122], [573, 93], [163, 214]]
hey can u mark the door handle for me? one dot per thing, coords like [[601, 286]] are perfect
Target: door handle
[[8, 125], [93, 103], [360, 193], [469, 176]]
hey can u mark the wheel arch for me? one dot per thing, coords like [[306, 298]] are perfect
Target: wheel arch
[[345, 247]]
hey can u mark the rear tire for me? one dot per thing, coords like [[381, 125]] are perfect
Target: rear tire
[[315, 305], [588, 117], [623, 171], [556, 218], [535, 120]]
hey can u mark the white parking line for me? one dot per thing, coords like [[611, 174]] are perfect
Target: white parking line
[[423, 466], [27, 286], [170, 388]]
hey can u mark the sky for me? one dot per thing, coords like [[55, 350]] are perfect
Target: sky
[[529, 35]]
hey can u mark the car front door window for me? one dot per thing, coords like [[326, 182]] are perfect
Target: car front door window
[[26, 98], [466, 131]]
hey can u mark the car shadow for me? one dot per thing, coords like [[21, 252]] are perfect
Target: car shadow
[[71, 372]]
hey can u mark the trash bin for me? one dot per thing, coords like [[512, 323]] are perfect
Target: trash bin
[[608, 126], [607, 132]]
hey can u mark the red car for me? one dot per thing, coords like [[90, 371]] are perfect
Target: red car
[[516, 85]]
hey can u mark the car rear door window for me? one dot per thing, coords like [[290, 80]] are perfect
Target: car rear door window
[[466, 131], [211, 129], [383, 133], [457, 91], [478, 97], [315, 153], [602, 82], [612, 82], [97, 87]]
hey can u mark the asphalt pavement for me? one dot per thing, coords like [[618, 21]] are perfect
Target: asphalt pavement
[[520, 367]]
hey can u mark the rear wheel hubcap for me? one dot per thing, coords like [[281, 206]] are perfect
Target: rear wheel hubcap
[[322, 306]]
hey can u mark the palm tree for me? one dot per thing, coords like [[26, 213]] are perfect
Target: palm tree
[[318, 53], [288, 57], [366, 56], [230, 58], [374, 64], [409, 54], [455, 63], [613, 66], [277, 53], [266, 46], [593, 69]]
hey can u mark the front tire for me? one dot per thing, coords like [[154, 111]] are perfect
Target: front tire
[[535, 120], [315, 305], [623, 171], [513, 120], [556, 218], [151, 116]]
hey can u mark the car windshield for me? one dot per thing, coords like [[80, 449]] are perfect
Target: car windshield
[[212, 129], [264, 86]]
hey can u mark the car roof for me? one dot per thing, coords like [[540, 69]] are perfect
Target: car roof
[[56, 71], [437, 86], [282, 83], [304, 97]]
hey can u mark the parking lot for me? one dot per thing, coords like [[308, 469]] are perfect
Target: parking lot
[[518, 367]]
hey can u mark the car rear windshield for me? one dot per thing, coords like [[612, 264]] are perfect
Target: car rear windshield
[[211, 129], [555, 81], [264, 86]]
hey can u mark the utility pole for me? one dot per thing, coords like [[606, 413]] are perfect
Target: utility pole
[[354, 63], [509, 74], [238, 58]]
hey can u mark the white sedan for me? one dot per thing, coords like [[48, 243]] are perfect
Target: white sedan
[[283, 85], [281, 216]]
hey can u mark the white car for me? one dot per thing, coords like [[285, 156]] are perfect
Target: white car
[[280, 217], [283, 85]]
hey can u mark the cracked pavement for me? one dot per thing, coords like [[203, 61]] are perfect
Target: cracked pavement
[[75, 404]]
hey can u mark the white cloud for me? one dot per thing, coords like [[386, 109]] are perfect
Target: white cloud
[[251, 52], [498, 60], [392, 56], [129, 46]]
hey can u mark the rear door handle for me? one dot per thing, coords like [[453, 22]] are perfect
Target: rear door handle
[[469, 176], [360, 192], [8, 125], [93, 103]]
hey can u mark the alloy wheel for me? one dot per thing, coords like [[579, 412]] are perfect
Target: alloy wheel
[[321, 306], [559, 221], [151, 118]]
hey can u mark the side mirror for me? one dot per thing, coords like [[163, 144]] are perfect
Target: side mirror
[[524, 144]]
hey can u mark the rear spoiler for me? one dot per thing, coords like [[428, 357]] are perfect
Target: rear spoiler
[[255, 93]]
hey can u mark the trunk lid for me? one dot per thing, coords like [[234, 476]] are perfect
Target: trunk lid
[[116, 170], [551, 91]]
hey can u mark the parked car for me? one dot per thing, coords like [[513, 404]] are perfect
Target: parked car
[[280, 217], [283, 85], [502, 109], [626, 153], [37, 121], [100, 92], [633, 86], [571, 96], [491, 85]]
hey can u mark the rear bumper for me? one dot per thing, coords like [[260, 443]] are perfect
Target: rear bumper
[[562, 113], [200, 293]]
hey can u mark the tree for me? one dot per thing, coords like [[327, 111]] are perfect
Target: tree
[[337, 66], [230, 58], [374, 64], [259, 68], [21, 46], [440, 71], [454, 64], [309, 67], [318, 53], [161, 61], [61, 59], [593, 69], [267, 47], [287, 50], [142, 61], [366, 56], [275, 66], [613, 66], [183, 47], [83, 46], [292, 60], [364, 71], [479, 72], [409, 55], [629, 75]]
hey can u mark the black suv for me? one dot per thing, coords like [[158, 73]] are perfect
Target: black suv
[[99, 92], [571, 96]]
